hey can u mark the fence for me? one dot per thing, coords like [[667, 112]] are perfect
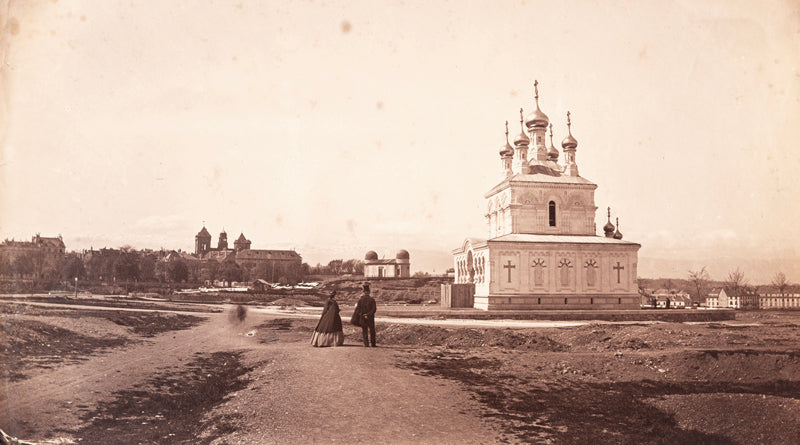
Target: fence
[[458, 295]]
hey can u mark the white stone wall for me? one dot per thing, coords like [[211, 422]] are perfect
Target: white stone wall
[[524, 208], [554, 268]]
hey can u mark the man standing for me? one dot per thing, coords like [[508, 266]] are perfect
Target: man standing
[[367, 308]]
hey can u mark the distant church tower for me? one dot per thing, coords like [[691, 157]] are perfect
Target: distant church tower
[[241, 243], [222, 244], [202, 242]]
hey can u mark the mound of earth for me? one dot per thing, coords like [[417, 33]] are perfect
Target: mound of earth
[[289, 302]]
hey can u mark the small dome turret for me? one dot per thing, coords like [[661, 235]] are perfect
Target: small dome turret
[[608, 229], [522, 138], [371, 256], [569, 142], [402, 254], [552, 152], [506, 150], [617, 234]]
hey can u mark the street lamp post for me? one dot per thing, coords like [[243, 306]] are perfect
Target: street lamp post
[[76, 287]]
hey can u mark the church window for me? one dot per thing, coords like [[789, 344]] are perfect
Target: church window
[[552, 213]]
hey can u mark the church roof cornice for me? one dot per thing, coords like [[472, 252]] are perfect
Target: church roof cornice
[[560, 239]]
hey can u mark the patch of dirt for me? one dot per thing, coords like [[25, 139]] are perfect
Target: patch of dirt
[[171, 407], [120, 302], [150, 324], [26, 344], [421, 336], [604, 383], [295, 302], [44, 338]]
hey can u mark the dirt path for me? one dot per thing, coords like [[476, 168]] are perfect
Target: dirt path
[[54, 399], [297, 394], [350, 394]]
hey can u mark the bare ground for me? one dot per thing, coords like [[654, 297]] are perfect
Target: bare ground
[[243, 377]]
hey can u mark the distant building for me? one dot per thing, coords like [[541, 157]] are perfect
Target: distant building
[[40, 258], [728, 298], [671, 299], [265, 264], [397, 267], [779, 301]]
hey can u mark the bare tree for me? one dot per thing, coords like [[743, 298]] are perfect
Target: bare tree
[[335, 266], [779, 281], [699, 280], [736, 281]]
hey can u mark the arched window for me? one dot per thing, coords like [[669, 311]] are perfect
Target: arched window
[[552, 213]]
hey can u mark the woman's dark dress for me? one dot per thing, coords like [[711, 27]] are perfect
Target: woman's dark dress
[[329, 330]]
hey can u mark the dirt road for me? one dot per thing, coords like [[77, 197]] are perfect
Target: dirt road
[[296, 394], [150, 377]]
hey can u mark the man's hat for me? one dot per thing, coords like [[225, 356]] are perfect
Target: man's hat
[[365, 285]]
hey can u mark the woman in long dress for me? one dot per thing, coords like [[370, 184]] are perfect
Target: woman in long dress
[[329, 329]]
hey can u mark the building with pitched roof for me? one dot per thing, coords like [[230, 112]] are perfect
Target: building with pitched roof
[[542, 251], [41, 257], [258, 263]]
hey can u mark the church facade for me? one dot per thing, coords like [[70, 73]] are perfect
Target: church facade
[[542, 250]]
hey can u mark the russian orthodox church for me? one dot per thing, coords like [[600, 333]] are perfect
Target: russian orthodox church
[[542, 250]]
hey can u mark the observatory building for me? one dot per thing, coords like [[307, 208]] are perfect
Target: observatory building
[[397, 267]]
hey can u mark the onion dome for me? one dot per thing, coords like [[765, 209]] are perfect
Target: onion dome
[[552, 152], [617, 234], [569, 142], [402, 254], [522, 138], [608, 229], [371, 256], [537, 118], [506, 150]]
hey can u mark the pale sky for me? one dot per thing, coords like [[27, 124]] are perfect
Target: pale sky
[[340, 127]]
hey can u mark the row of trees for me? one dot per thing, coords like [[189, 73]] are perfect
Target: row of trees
[[339, 267], [700, 283], [33, 265], [128, 265]]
